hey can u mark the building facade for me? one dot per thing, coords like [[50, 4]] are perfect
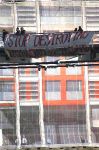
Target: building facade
[[56, 106]]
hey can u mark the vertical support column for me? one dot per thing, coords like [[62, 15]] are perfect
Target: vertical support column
[[14, 17], [1, 134], [88, 125], [1, 138], [83, 16], [17, 111], [41, 111], [38, 21]]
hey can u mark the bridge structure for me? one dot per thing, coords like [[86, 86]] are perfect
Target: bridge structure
[[21, 48]]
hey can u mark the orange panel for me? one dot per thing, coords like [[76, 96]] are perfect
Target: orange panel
[[7, 104], [62, 78], [28, 91]]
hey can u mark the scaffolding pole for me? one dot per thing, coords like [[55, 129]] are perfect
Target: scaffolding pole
[[88, 126], [41, 111], [18, 135]]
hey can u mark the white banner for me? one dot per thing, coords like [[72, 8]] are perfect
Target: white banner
[[48, 42]]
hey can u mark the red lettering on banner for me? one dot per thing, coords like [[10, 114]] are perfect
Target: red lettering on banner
[[58, 39], [66, 37], [36, 41], [16, 39], [10, 42], [85, 34], [25, 39], [77, 36], [50, 39], [43, 40], [20, 41], [80, 35]]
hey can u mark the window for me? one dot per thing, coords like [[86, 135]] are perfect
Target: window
[[5, 15], [22, 72], [60, 11], [53, 90], [74, 89], [53, 71], [28, 91], [26, 16], [92, 17], [6, 90], [6, 72], [73, 70], [95, 116], [64, 20], [34, 71], [94, 90], [28, 72], [5, 11]]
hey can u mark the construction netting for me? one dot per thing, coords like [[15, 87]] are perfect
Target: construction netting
[[29, 124], [65, 124], [7, 126], [53, 107]]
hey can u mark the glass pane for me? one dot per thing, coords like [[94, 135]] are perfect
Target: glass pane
[[73, 70], [73, 85]]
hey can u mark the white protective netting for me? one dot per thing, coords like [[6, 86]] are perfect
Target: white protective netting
[[65, 119]]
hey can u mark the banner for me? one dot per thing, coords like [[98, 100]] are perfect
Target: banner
[[52, 44]]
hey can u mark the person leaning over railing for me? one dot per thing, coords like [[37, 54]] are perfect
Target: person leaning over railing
[[80, 29], [4, 33], [22, 31], [18, 31]]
